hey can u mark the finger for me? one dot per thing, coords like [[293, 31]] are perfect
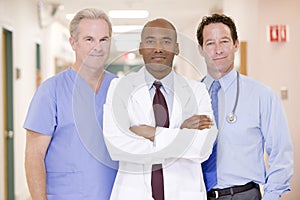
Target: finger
[[201, 127], [204, 118]]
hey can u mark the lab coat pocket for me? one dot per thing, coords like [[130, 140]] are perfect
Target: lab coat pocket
[[64, 183]]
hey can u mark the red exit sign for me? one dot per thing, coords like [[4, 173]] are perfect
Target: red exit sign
[[277, 33]]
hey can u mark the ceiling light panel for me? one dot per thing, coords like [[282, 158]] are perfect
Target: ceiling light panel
[[126, 14]]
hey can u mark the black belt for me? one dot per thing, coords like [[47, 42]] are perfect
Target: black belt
[[216, 193]]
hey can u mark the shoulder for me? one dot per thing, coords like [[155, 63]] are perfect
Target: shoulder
[[52, 81], [193, 84], [122, 83], [128, 80], [258, 86], [51, 85], [110, 75], [260, 90]]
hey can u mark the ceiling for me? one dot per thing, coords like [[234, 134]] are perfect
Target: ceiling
[[181, 13], [185, 15]]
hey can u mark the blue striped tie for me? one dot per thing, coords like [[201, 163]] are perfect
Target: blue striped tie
[[209, 167]]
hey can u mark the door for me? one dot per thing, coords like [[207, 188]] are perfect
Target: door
[[8, 113]]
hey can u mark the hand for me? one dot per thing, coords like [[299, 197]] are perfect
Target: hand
[[199, 122], [145, 131]]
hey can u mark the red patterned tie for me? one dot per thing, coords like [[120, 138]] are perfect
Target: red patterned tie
[[161, 114]]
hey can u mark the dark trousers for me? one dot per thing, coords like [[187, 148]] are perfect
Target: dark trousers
[[252, 194]]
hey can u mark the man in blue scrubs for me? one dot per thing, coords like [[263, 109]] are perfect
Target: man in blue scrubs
[[251, 120], [66, 157]]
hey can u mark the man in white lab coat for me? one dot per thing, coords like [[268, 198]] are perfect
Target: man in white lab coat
[[131, 132]]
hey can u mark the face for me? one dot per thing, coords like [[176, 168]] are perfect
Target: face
[[93, 45], [158, 48], [218, 49]]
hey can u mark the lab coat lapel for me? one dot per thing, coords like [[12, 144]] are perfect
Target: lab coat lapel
[[141, 97], [182, 108]]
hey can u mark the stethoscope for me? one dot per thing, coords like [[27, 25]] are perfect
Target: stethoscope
[[231, 117]]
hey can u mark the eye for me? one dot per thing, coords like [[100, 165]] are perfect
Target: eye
[[89, 39], [225, 41], [149, 41], [104, 40], [167, 41], [209, 43]]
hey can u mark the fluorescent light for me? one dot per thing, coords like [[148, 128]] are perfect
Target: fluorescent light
[[69, 16], [127, 28], [128, 14]]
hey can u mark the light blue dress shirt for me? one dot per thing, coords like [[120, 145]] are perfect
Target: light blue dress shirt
[[261, 125], [77, 162]]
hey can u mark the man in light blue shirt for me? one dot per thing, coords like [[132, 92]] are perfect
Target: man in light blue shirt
[[257, 124], [66, 157]]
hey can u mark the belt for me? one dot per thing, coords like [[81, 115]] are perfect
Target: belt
[[216, 193]]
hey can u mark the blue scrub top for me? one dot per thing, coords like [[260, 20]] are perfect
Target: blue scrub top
[[77, 162]]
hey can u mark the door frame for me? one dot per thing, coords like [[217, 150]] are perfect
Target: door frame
[[7, 39]]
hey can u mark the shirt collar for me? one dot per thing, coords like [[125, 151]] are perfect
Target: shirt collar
[[167, 82], [225, 81]]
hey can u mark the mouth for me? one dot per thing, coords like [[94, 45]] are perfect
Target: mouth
[[96, 55], [158, 58], [219, 58]]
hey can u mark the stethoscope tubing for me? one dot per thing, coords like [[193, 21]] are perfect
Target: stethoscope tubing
[[237, 92], [231, 117]]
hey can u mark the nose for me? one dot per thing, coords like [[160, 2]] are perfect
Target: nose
[[219, 49], [98, 46], [158, 46]]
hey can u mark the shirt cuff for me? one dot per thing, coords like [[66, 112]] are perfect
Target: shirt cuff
[[271, 196]]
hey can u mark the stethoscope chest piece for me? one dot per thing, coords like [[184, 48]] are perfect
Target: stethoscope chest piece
[[231, 118]]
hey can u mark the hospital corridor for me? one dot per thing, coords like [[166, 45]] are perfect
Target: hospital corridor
[[36, 45]]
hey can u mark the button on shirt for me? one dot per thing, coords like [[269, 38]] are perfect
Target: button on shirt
[[260, 120]]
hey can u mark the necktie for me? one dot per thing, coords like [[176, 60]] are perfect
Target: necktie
[[161, 114], [209, 166]]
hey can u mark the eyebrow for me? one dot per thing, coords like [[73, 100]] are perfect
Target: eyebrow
[[105, 37], [152, 37], [89, 36], [222, 38]]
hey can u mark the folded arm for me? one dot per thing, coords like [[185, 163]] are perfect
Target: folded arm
[[123, 144]]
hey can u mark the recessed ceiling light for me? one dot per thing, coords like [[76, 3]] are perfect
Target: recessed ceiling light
[[127, 28], [128, 14]]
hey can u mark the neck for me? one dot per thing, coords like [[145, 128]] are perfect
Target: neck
[[93, 76], [218, 74]]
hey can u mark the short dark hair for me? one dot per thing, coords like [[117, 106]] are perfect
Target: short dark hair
[[216, 18]]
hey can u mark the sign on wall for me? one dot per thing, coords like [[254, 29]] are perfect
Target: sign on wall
[[277, 33]]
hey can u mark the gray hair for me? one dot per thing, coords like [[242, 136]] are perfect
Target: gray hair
[[88, 13]]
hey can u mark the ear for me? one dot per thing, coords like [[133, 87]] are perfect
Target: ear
[[73, 43], [141, 49], [176, 51], [236, 45], [200, 49]]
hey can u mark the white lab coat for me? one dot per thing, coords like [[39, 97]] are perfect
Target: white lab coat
[[180, 151]]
